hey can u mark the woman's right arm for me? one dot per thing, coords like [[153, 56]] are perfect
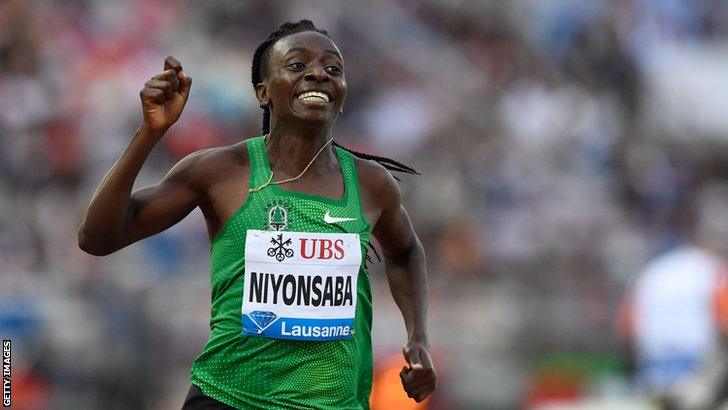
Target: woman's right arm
[[115, 217]]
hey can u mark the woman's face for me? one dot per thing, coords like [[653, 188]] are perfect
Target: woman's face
[[305, 79]]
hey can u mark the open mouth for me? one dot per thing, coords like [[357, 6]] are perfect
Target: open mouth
[[316, 96]]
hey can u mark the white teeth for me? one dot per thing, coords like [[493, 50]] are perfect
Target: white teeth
[[314, 96]]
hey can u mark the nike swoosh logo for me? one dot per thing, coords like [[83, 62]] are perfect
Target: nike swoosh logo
[[332, 219]]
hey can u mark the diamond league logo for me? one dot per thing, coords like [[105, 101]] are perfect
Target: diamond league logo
[[262, 319]]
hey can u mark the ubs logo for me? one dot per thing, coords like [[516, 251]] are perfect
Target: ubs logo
[[281, 248], [322, 249]]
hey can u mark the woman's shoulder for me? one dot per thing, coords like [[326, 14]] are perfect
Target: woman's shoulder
[[207, 165], [376, 182], [221, 156]]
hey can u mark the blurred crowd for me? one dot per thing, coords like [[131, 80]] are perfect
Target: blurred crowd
[[561, 145]]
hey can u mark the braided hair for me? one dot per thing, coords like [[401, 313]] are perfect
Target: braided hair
[[260, 71]]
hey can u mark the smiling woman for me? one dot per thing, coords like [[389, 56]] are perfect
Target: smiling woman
[[260, 67], [287, 265]]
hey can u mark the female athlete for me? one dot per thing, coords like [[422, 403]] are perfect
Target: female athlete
[[289, 215]]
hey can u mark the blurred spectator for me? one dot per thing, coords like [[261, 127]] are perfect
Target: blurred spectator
[[676, 311]]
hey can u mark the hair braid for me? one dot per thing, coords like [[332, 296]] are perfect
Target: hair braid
[[260, 70]]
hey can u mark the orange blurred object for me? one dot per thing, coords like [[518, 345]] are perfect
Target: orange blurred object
[[387, 391]]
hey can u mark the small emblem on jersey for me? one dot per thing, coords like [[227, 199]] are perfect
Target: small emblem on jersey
[[260, 320], [281, 248], [332, 219], [277, 214]]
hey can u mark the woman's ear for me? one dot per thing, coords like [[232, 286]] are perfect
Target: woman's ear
[[261, 93]]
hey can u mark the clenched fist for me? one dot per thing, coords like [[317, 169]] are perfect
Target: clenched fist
[[420, 379], [164, 96]]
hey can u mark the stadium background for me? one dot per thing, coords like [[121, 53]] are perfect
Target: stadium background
[[560, 144]]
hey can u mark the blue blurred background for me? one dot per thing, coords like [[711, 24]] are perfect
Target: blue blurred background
[[562, 146]]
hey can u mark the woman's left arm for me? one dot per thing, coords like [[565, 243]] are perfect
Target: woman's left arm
[[404, 263]]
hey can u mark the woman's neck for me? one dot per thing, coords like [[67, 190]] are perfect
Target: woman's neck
[[290, 150]]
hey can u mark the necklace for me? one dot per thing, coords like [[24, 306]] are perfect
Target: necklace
[[270, 180]]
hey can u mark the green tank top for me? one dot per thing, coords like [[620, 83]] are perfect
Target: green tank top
[[254, 371]]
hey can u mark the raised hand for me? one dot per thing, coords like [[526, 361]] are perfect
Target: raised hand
[[420, 379], [164, 96]]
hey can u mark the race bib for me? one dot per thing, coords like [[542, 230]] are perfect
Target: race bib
[[300, 285]]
